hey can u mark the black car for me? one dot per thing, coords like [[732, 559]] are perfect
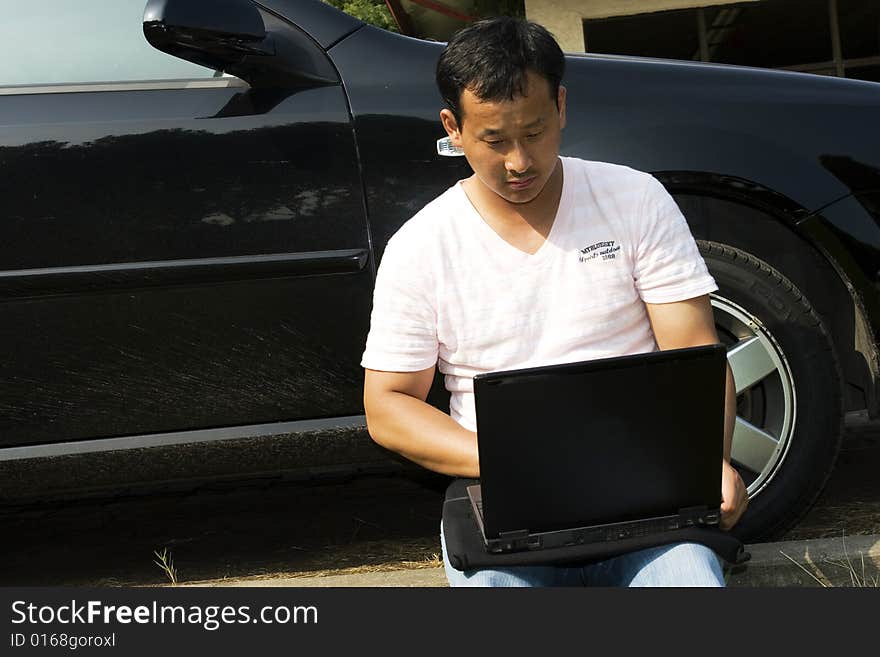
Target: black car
[[189, 237]]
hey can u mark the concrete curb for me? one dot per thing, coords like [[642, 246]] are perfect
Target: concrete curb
[[815, 562], [844, 561]]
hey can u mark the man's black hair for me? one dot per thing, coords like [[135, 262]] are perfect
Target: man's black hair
[[491, 58]]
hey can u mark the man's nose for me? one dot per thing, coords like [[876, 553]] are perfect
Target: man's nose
[[517, 160]]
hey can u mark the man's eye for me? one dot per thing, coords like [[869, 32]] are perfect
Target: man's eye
[[496, 142], [534, 135]]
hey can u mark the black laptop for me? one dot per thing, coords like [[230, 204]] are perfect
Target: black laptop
[[599, 450]]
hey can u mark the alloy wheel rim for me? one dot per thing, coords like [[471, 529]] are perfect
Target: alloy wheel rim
[[766, 396]]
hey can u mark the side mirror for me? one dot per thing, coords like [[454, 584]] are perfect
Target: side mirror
[[218, 34]]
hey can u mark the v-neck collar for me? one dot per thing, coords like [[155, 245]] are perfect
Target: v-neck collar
[[495, 240]]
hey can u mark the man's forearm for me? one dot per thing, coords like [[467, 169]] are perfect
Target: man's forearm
[[729, 413], [423, 434], [734, 494]]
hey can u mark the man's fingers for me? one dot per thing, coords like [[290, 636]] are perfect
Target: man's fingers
[[735, 499], [730, 517]]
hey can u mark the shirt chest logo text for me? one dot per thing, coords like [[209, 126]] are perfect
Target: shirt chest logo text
[[600, 250]]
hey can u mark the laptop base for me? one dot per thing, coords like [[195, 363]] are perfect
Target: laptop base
[[519, 540], [466, 549]]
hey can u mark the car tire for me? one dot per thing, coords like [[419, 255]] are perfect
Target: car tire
[[789, 396]]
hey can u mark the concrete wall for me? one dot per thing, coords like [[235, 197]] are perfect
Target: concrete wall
[[564, 18]]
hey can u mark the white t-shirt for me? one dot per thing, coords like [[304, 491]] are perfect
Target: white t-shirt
[[451, 291]]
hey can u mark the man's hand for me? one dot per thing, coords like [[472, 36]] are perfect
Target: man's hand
[[734, 497]]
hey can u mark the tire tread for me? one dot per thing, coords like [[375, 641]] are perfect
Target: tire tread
[[805, 316]]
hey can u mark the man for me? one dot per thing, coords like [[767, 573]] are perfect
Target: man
[[534, 259]]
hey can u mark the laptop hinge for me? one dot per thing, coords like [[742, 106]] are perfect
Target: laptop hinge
[[697, 515], [514, 535]]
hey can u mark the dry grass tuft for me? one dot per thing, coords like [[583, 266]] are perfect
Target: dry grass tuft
[[859, 576], [166, 564]]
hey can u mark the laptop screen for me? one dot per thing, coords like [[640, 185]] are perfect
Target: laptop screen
[[602, 441]]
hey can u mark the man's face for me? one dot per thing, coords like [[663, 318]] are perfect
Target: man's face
[[512, 145]]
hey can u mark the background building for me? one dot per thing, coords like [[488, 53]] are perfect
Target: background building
[[829, 37]]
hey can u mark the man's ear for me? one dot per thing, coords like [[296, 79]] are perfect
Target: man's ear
[[451, 126], [560, 103]]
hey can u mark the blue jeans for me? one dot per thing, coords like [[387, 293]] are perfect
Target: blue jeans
[[679, 564]]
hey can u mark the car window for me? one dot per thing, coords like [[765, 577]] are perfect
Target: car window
[[80, 41]]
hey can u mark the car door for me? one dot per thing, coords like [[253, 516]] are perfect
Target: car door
[[177, 250]]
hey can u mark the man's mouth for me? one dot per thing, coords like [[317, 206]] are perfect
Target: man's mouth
[[523, 183]]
